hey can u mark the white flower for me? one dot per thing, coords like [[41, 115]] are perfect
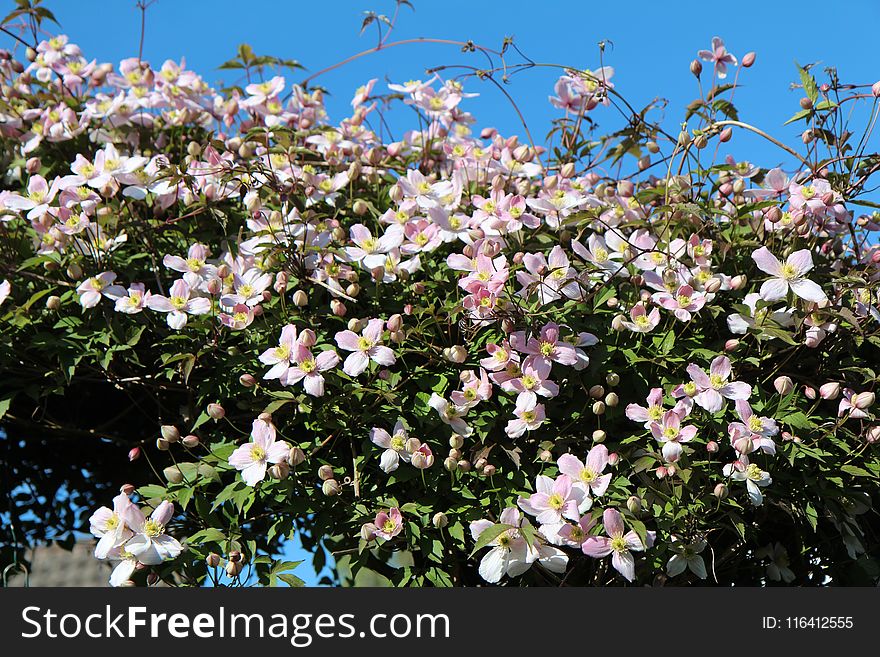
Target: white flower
[[787, 276]]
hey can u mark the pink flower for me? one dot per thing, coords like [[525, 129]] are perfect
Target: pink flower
[[642, 321], [252, 458], [364, 348], [533, 378], [451, 414], [753, 432], [500, 355], [546, 347], [671, 434], [394, 445], [529, 416], [193, 263], [553, 500], [619, 545], [133, 302], [150, 544], [179, 304], [587, 475], [109, 526], [283, 355], [475, 389], [855, 404], [719, 56], [787, 276], [92, 289], [388, 525], [683, 303], [575, 535], [711, 389], [653, 412], [307, 368]]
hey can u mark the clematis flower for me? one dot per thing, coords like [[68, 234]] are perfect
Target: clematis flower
[[132, 301], [553, 502], [529, 415], [252, 458], [575, 535], [249, 288], [653, 412], [787, 276], [753, 432], [686, 557], [511, 554], [718, 56], [92, 289], [587, 475], [194, 263], [619, 545], [388, 524], [150, 544], [671, 434], [778, 569], [533, 379], [180, 303], [760, 317], [685, 302], [754, 477], [642, 320], [308, 368], [855, 404], [364, 348], [394, 446], [475, 389], [450, 414], [713, 388], [547, 346], [500, 355], [126, 567], [283, 355], [109, 526]]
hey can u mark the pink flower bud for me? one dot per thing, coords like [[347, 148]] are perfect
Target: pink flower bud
[[862, 400], [215, 285], [783, 385], [712, 285], [455, 354], [170, 433], [247, 380], [773, 214], [216, 412], [127, 489], [748, 59], [696, 67], [809, 392], [325, 472], [712, 447], [308, 338], [731, 345], [338, 308], [875, 89], [190, 441], [725, 135], [872, 435], [395, 322], [134, 453], [330, 488], [613, 459], [830, 390], [33, 165], [300, 298], [720, 491], [661, 472], [295, 456], [213, 560]]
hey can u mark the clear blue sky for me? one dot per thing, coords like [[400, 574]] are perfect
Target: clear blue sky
[[653, 43]]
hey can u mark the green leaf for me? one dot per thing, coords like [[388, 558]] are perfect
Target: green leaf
[[489, 535], [809, 84], [856, 471]]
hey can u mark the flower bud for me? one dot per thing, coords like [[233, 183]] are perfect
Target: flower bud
[[862, 400], [235, 556], [712, 447], [806, 103], [127, 489], [613, 459], [748, 59], [300, 298], [725, 135], [247, 380], [612, 400], [162, 444], [617, 323], [216, 412], [190, 441], [612, 379], [738, 282], [170, 433], [464, 465], [330, 488], [731, 345], [279, 470], [233, 568], [325, 473], [338, 308], [634, 504], [223, 271], [295, 456], [597, 392], [456, 441], [661, 472], [308, 338], [173, 474], [810, 392], [599, 408], [872, 435], [74, 271], [395, 322], [720, 491], [712, 285], [830, 390], [134, 453], [53, 302], [440, 520], [696, 68], [213, 560], [489, 470], [599, 436], [455, 354], [875, 89], [450, 464], [783, 384]]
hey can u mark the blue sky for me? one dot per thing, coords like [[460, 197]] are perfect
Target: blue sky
[[651, 46]]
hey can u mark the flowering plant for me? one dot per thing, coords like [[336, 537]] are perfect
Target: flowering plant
[[452, 359]]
